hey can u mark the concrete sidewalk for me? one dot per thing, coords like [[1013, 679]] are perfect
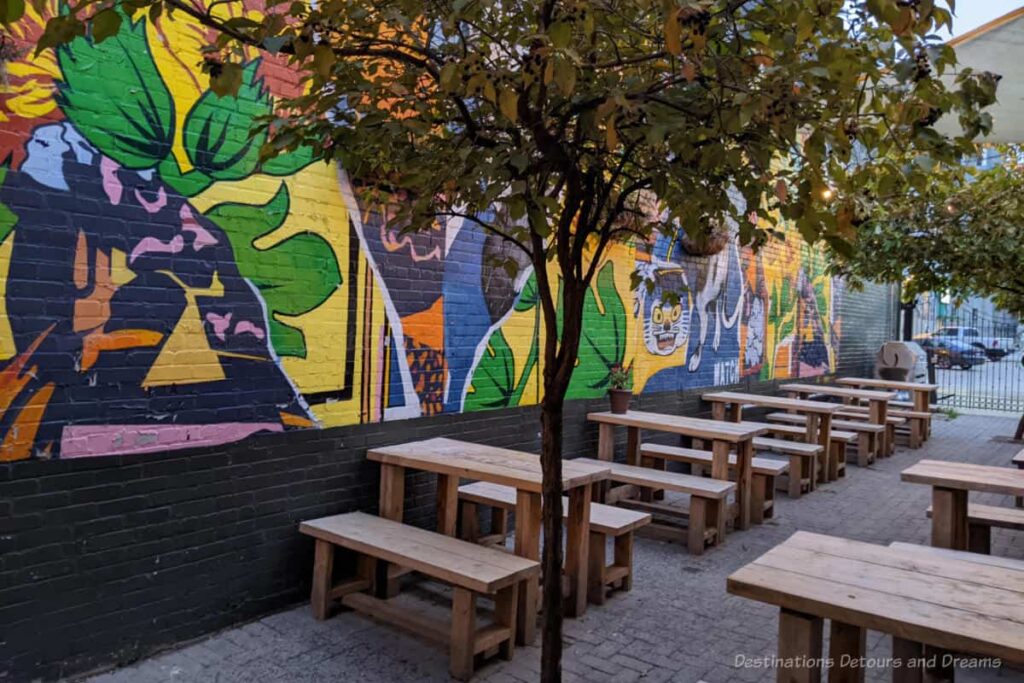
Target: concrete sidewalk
[[678, 623]]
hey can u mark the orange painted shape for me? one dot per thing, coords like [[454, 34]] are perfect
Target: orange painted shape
[[427, 326], [96, 342], [291, 420], [93, 311], [18, 442], [81, 272], [11, 379]]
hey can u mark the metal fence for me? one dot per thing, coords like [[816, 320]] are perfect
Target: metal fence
[[977, 359]]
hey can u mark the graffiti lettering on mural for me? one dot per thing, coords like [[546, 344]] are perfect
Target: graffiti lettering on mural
[[160, 289]]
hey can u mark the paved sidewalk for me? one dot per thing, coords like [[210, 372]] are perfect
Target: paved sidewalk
[[678, 623]]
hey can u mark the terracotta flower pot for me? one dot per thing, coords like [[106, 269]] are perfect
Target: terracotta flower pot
[[619, 399]]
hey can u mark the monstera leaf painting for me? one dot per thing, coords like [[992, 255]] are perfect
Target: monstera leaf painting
[[129, 118], [604, 337], [294, 276], [494, 383]]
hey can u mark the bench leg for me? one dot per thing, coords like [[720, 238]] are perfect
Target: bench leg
[[527, 545], [799, 643], [499, 521], [890, 439], [505, 603], [847, 643], [832, 456], [864, 453], [916, 435], [469, 521], [758, 494], [697, 524], [979, 538], [839, 453], [624, 558], [949, 518], [323, 573], [796, 476], [463, 639], [596, 571]]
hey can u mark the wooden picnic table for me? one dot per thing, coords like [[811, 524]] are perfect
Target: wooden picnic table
[[723, 438], [920, 598], [920, 393], [951, 482], [878, 402], [728, 405], [453, 460]]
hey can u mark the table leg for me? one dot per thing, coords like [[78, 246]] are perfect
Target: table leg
[[528, 523], [949, 518], [633, 446], [392, 492], [447, 504], [720, 460], [577, 549], [736, 412], [744, 481], [717, 411], [606, 442], [799, 646], [917, 663], [922, 403], [825, 441], [847, 644], [878, 413]]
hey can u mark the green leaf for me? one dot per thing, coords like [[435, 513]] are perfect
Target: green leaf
[[11, 11], [288, 163], [8, 219], [218, 135], [129, 118], [105, 24], [294, 276], [493, 382], [604, 337]]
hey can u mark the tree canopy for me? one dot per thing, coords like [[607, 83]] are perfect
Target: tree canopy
[[961, 234]]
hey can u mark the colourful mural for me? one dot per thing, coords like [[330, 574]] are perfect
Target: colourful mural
[[161, 289]]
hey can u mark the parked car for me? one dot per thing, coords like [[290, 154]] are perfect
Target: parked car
[[996, 348], [948, 353]]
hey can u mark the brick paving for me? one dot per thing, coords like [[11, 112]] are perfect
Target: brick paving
[[677, 624]]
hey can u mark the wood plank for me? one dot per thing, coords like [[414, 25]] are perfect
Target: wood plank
[[840, 392], [886, 384], [966, 476], [527, 544], [457, 562], [605, 519], [478, 461], [682, 483], [879, 610], [799, 647], [463, 632], [846, 643], [931, 551], [992, 515], [846, 425], [577, 544], [807, 450], [814, 407], [428, 621], [688, 426], [765, 466]]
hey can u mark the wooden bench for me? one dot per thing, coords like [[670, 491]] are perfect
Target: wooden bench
[[707, 513], [932, 408], [839, 440], [764, 470], [980, 521], [1018, 460], [917, 423], [868, 435], [470, 569], [807, 464], [606, 521]]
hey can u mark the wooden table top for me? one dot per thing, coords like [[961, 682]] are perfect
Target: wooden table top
[[965, 476], [485, 463], [841, 392], [714, 430], [949, 603], [886, 384], [799, 404]]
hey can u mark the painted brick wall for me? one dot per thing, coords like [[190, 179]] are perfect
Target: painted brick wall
[[195, 352]]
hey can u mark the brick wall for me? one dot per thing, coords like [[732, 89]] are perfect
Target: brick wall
[[106, 559]]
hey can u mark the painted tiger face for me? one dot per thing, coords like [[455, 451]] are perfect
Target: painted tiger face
[[666, 319]]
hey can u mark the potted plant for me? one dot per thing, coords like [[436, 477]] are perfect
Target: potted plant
[[619, 392]]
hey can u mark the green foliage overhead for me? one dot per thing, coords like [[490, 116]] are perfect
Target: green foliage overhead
[[962, 234]]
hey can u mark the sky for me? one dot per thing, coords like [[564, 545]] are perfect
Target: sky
[[971, 14]]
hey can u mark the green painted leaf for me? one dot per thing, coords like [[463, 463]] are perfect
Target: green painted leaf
[[494, 378], [218, 135], [113, 94], [604, 338], [294, 276], [8, 219], [288, 163]]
